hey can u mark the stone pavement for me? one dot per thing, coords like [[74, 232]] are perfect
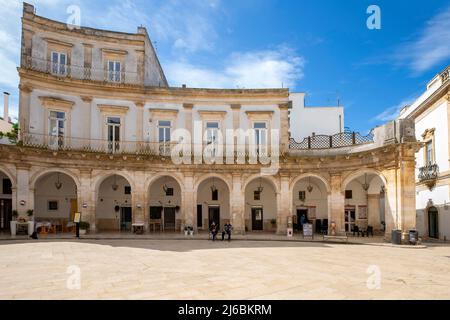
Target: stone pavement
[[194, 269]]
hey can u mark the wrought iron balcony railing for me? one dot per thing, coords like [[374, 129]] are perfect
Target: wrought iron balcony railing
[[160, 149], [446, 74], [344, 139], [429, 173], [81, 72]]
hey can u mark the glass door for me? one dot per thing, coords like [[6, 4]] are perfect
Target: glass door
[[212, 138], [164, 128], [113, 127], [260, 138], [350, 219], [257, 219], [56, 129]]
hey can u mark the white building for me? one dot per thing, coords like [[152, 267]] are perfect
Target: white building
[[310, 121], [431, 113]]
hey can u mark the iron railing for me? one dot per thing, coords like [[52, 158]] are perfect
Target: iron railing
[[445, 75], [429, 173], [161, 149], [344, 139], [81, 72]]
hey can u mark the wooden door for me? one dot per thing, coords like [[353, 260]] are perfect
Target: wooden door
[[257, 219]]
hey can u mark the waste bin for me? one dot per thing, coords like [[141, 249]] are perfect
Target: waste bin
[[413, 237], [396, 236]]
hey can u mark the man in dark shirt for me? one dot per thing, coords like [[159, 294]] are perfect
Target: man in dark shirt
[[227, 230]]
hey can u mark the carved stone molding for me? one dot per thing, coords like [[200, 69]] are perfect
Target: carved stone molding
[[52, 102]]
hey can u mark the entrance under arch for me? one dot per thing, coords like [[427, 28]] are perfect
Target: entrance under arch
[[213, 203], [55, 200], [433, 223], [5, 202], [114, 210], [165, 205], [260, 206], [310, 204], [364, 198]]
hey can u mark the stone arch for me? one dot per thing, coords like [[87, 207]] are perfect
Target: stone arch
[[101, 177], [312, 175], [153, 178], [207, 176], [41, 173], [271, 179], [350, 177], [9, 174]]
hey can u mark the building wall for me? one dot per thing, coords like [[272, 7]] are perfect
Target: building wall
[[304, 121]]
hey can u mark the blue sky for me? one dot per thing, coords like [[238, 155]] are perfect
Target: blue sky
[[323, 48]]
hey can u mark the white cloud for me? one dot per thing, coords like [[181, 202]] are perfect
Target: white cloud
[[257, 69], [393, 112], [432, 46]]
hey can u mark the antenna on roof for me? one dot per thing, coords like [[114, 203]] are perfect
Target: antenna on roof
[[155, 44], [338, 98]]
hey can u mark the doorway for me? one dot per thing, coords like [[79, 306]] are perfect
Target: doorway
[[214, 215], [5, 214], [350, 219], [169, 219], [433, 223], [257, 219], [126, 218], [302, 217]]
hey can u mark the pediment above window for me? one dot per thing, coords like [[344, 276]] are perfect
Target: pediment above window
[[52, 102], [106, 108]]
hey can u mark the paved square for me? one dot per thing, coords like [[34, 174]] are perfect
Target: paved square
[[138, 269]]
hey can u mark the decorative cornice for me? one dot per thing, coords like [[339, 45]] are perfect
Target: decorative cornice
[[428, 133], [115, 51], [266, 113], [52, 102], [236, 107], [58, 42], [164, 112], [188, 106], [284, 106], [87, 99], [212, 113], [105, 108], [139, 104], [25, 88]]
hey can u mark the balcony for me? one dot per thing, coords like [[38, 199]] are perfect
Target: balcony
[[344, 139], [429, 175], [81, 72]]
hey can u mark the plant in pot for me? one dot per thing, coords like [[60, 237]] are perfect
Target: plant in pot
[[273, 222], [84, 227], [15, 214], [30, 214]]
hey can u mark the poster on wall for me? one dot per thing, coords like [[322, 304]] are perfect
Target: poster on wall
[[307, 230], [312, 213], [362, 212]]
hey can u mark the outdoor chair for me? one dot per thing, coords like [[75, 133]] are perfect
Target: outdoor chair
[[369, 231], [356, 230]]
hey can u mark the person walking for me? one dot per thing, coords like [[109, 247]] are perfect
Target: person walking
[[213, 230], [227, 230]]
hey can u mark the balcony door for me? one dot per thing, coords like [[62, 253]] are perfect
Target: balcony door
[[164, 129], [59, 63], [114, 71], [113, 131], [56, 130], [212, 138], [260, 137]]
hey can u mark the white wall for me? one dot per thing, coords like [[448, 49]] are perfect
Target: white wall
[[304, 121]]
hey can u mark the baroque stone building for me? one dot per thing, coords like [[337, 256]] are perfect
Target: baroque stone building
[[99, 124]]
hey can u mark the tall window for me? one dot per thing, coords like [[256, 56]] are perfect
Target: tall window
[[56, 128], [114, 71], [429, 153], [260, 137], [164, 129], [212, 137], [59, 63], [113, 128]]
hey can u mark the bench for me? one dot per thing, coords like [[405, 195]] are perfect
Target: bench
[[335, 238]]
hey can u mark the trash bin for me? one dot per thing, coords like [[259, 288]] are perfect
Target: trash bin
[[396, 237], [413, 237]]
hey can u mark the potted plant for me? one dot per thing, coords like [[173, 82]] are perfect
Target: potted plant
[[84, 227], [190, 231], [30, 213], [15, 214]]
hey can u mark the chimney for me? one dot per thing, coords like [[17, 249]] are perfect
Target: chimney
[[6, 106], [28, 8]]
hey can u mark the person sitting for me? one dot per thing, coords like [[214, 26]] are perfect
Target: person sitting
[[213, 230], [227, 230]]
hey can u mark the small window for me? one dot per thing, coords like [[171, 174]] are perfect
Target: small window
[[169, 192], [156, 213], [7, 186], [302, 195], [260, 125], [257, 195], [348, 194], [429, 153], [215, 195], [53, 205], [127, 190]]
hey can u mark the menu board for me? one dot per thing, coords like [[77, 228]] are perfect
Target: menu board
[[308, 230]]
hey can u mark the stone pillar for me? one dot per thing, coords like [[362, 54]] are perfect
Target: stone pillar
[[283, 205], [336, 204], [139, 124], [25, 192], [24, 109], [237, 198], [188, 120], [138, 198], [87, 117], [284, 127], [400, 212], [86, 199], [188, 204], [373, 207]]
